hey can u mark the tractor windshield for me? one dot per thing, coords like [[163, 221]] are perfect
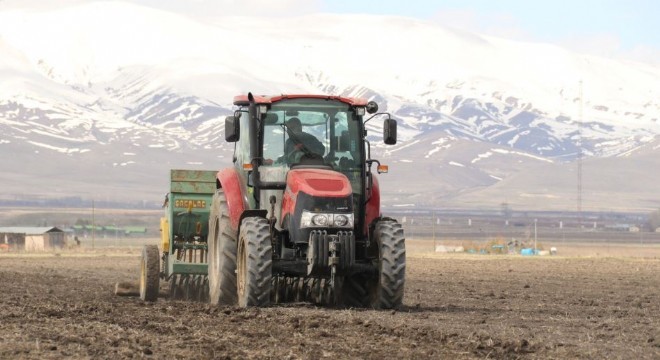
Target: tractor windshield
[[316, 131]]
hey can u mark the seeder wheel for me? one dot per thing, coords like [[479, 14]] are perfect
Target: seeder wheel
[[149, 271]]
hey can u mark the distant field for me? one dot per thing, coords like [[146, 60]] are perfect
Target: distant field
[[449, 228], [568, 241], [572, 249]]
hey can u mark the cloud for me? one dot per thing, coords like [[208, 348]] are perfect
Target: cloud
[[610, 46], [195, 8], [604, 44], [37, 4], [644, 53], [214, 8], [506, 25], [500, 24]]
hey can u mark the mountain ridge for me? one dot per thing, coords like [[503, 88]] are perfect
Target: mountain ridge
[[159, 96]]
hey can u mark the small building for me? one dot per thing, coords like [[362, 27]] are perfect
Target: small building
[[32, 238]]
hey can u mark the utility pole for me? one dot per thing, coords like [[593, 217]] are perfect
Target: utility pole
[[579, 161], [93, 226], [535, 251], [434, 220], [412, 232]]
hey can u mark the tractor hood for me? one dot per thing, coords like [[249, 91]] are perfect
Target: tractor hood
[[318, 182], [319, 191]]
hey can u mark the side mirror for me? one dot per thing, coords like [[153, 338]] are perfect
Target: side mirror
[[389, 131], [232, 129]]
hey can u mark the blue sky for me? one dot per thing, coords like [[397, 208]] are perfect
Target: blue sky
[[613, 28]]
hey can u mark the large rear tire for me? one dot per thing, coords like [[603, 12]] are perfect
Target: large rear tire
[[149, 273], [221, 253], [255, 263], [386, 292]]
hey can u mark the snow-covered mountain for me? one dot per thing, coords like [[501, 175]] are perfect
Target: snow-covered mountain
[[99, 99]]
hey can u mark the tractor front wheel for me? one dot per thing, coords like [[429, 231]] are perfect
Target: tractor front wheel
[[255, 263], [149, 271], [221, 253], [386, 291]]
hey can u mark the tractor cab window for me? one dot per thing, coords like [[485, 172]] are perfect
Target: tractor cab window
[[314, 131], [288, 139], [345, 155], [242, 152]]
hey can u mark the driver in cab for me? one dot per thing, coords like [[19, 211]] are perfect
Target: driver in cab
[[300, 143]]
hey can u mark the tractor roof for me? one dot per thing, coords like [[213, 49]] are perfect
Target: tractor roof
[[242, 100]]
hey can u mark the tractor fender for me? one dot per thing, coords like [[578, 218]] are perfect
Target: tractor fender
[[230, 182], [373, 205], [252, 213]]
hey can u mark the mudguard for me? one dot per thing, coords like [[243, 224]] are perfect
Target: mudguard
[[230, 183]]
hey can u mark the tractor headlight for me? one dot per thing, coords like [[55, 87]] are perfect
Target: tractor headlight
[[320, 220], [312, 220], [340, 220]]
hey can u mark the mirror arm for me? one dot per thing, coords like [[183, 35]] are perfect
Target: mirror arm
[[376, 114]]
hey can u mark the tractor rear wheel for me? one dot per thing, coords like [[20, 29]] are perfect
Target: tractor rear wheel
[[149, 272], [221, 253], [255, 263], [386, 291]]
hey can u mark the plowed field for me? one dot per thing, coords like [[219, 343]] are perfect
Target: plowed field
[[456, 306]]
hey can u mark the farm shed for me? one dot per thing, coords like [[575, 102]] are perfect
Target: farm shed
[[32, 238]]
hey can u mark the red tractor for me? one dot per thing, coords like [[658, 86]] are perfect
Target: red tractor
[[298, 215]]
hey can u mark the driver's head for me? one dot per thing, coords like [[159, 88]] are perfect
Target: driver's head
[[295, 125]]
